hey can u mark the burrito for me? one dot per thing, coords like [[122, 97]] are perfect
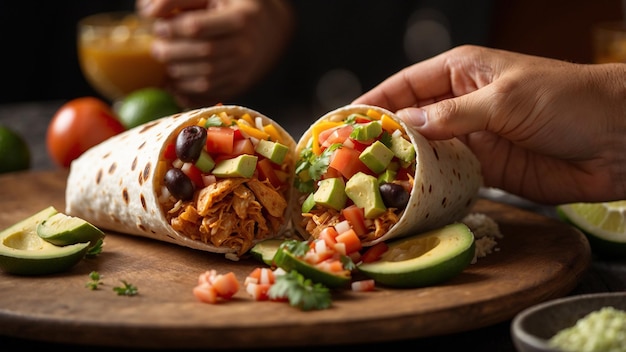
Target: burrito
[[360, 167], [217, 179]]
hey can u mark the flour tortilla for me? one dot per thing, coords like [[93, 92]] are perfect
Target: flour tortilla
[[114, 184], [446, 182]]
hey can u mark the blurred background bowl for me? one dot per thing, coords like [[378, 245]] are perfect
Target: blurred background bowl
[[532, 328]]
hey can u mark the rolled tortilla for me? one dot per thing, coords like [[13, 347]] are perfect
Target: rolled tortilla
[[119, 185], [443, 179]]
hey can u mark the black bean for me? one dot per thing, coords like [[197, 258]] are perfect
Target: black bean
[[394, 195], [179, 185], [190, 142]]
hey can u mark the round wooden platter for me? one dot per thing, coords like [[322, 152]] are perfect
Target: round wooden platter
[[539, 258]]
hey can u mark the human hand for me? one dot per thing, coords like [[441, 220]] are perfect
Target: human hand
[[217, 49], [547, 130]]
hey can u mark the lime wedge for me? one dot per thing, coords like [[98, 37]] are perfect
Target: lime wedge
[[604, 224]]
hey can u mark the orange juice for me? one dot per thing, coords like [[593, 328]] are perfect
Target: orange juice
[[609, 42], [114, 54]]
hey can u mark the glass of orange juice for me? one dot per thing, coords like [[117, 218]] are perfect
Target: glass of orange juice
[[114, 54], [609, 42]]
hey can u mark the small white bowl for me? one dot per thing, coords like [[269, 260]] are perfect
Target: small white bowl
[[533, 327]]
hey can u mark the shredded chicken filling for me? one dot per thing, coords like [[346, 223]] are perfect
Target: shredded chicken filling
[[232, 213]]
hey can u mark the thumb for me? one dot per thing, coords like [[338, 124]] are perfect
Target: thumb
[[447, 118]]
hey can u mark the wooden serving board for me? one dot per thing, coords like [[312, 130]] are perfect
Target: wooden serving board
[[539, 259]]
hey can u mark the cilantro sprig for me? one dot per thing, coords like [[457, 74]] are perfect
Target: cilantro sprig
[[311, 167], [300, 291], [127, 290]]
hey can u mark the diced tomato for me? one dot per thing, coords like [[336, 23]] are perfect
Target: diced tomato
[[262, 276], [346, 161], [373, 253], [356, 218], [170, 152], [351, 240], [363, 285], [331, 172], [266, 172], [220, 140], [226, 285], [336, 135], [242, 146], [359, 145], [205, 293], [237, 135], [331, 265], [328, 234], [259, 292], [194, 174]]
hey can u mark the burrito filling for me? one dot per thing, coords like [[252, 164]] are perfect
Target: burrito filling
[[225, 180], [356, 172]]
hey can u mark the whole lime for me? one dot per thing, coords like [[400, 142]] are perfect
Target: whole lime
[[145, 105], [14, 151]]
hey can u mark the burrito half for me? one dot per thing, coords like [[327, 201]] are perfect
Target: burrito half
[[216, 179], [361, 167]]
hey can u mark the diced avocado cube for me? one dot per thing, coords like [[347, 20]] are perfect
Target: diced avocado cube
[[274, 151], [309, 203], [387, 176], [205, 163], [367, 131], [331, 193], [240, 166], [376, 157], [402, 148], [363, 190]]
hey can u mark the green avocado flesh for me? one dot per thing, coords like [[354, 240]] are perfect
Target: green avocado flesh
[[265, 250], [63, 230], [425, 259], [23, 252]]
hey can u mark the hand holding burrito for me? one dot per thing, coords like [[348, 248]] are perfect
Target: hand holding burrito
[[365, 157]]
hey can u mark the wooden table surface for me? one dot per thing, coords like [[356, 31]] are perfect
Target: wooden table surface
[[39, 306]]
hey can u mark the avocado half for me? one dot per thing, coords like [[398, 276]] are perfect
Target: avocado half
[[24, 252], [424, 259]]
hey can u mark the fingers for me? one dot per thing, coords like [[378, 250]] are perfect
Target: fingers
[[166, 8], [449, 118]]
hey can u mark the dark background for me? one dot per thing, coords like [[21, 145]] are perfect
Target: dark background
[[361, 37]]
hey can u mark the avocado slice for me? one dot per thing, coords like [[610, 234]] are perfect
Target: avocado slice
[[442, 254], [240, 166], [23, 252], [274, 151], [376, 157], [62, 230], [265, 250], [331, 193], [363, 190]]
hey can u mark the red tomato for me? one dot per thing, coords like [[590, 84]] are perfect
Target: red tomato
[[346, 161], [77, 126], [220, 140], [374, 253]]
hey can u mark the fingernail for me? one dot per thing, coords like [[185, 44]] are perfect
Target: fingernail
[[415, 117]]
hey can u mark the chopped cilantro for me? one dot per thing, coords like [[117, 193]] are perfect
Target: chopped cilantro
[[126, 290], [95, 249], [214, 121], [300, 292], [296, 247], [94, 280]]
